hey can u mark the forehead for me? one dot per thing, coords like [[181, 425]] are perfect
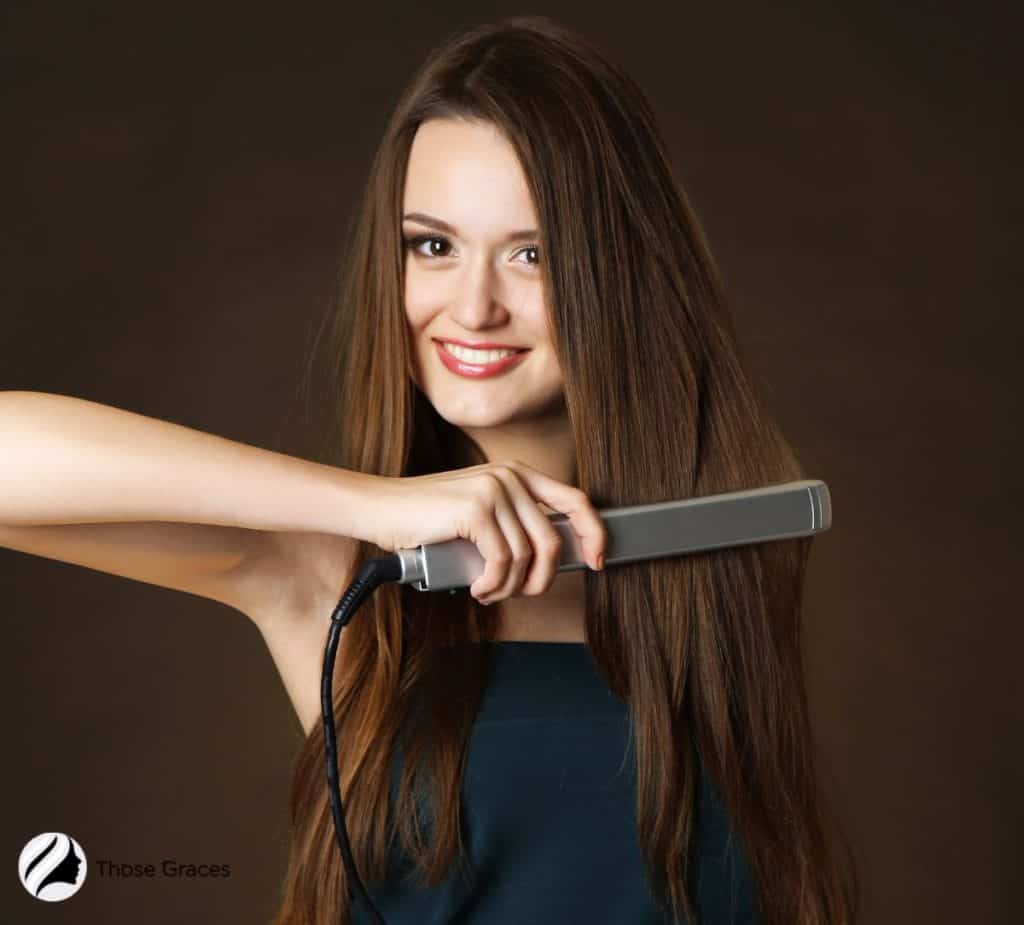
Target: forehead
[[467, 174]]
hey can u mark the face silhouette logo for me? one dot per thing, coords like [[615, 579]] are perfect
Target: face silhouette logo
[[52, 866]]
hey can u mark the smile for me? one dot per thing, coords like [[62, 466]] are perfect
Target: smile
[[477, 364]]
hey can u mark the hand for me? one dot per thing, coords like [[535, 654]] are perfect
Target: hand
[[496, 507]]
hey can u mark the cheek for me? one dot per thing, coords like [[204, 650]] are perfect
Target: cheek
[[419, 304], [417, 319], [413, 362], [415, 314]]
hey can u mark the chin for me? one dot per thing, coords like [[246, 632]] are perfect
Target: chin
[[461, 416]]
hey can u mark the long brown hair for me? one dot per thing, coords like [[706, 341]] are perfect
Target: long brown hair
[[705, 649]]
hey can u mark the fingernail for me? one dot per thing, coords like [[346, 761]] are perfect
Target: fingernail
[[600, 562]]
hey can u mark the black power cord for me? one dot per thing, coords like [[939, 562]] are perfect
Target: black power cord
[[373, 573]]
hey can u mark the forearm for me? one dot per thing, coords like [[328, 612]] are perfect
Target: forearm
[[66, 460]]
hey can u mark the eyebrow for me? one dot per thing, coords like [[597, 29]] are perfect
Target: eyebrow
[[432, 222]]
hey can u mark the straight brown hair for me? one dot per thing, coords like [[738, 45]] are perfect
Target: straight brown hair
[[704, 649]]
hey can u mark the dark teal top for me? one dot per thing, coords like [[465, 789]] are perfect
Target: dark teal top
[[549, 812]]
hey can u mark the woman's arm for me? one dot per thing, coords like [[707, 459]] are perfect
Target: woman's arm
[[146, 499]]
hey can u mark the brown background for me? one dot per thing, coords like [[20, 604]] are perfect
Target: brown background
[[176, 184]]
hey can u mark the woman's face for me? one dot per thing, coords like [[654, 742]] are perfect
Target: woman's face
[[476, 278]]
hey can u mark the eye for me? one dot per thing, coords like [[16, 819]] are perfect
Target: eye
[[416, 242], [536, 261]]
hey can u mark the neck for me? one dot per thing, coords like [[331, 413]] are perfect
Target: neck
[[558, 615], [542, 443]]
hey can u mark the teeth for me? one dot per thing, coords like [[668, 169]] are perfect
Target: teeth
[[477, 356]]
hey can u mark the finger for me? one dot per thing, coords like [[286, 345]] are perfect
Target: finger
[[584, 518], [483, 531], [507, 514], [544, 539], [505, 561]]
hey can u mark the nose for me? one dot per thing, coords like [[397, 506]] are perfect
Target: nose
[[475, 304]]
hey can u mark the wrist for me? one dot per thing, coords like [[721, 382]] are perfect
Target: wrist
[[353, 509]]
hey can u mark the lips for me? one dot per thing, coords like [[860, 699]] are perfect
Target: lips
[[478, 370], [483, 345]]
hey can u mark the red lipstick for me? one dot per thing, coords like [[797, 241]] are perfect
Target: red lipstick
[[483, 345], [477, 370]]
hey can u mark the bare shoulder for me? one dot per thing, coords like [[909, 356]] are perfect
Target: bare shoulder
[[289, 591]]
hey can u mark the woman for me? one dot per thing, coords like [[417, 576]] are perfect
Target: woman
[[632, 389], [631, 746]]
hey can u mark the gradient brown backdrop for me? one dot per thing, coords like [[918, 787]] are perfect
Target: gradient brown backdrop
[[176, 183]]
